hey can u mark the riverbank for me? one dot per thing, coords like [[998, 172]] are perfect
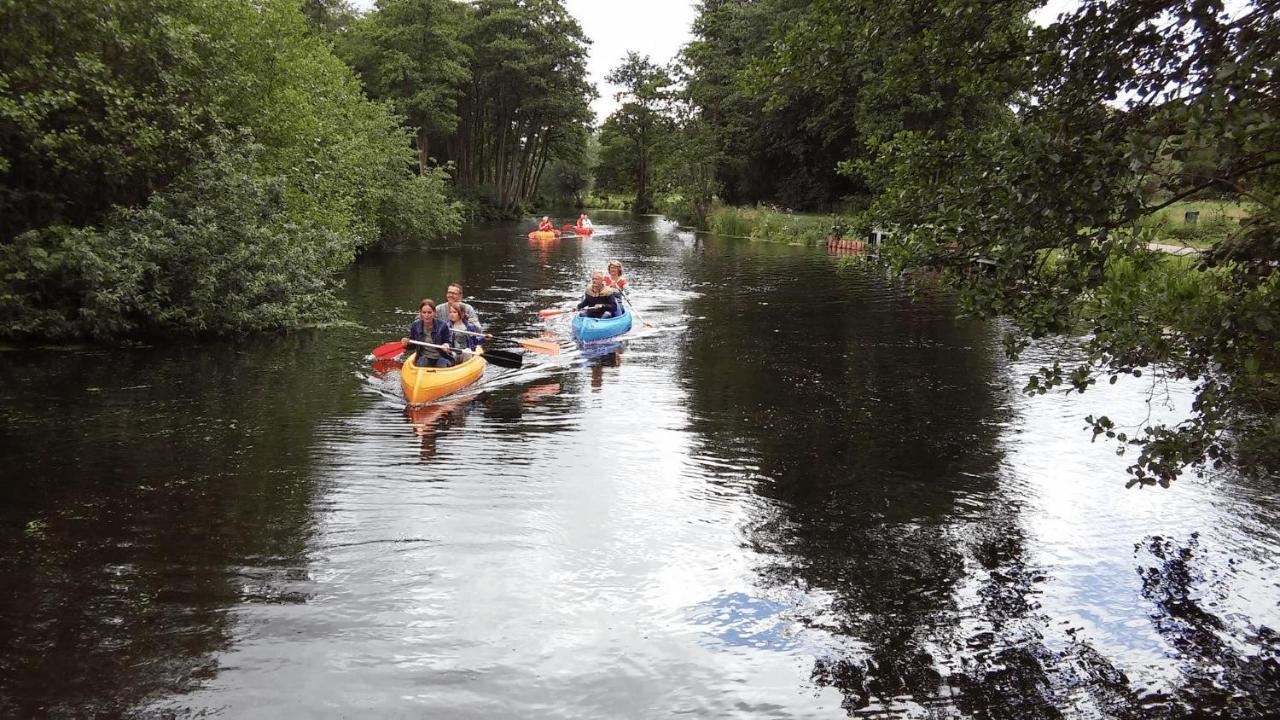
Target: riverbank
[[1171, 227]]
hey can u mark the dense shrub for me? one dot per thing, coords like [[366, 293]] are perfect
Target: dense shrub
[[187, 166], [217, 252]]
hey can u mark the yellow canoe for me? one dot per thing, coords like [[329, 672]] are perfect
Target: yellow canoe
[[544, 235], [424, 384]]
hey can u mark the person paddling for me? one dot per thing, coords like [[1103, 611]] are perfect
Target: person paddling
[[584, 222], [544, 225], [431, 329], [614, 279], [599, 300]]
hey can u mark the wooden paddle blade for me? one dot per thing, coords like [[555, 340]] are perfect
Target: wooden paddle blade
[[503, 358], [389, 350], [546, 347]]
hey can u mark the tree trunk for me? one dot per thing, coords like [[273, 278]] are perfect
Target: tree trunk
[[423, 146]]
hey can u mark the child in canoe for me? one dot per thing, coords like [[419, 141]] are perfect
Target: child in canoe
[[458, 321]]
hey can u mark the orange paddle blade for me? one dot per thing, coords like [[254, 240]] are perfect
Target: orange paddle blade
[[549, 312], [542, 346]]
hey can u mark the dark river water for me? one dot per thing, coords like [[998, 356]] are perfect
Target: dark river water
[[803, 492]]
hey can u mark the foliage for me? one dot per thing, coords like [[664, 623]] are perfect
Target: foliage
[[781, 141], [642, 120], [411, 53], [607, 202], [1191, 78], [215, 252], [104, 106], [765, 223]]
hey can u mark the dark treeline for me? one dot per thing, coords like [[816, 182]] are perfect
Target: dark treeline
[[968, 132], [496, 89]]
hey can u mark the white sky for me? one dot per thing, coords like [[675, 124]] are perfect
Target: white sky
[[657, 28]]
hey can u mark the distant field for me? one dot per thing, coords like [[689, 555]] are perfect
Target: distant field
[[1217, 219]]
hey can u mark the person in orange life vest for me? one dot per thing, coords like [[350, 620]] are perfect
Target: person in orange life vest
[[614, 279], [544, 225], [584, 222]]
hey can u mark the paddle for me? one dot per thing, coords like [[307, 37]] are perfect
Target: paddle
[[632, 308], [389, 350], [501, 358], [552, 312], [542, 346]]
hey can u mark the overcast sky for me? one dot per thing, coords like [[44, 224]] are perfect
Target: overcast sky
[[657, 28]]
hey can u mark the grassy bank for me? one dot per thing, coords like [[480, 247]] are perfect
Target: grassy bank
[[1217, 218], [607, 202], [762, 223]]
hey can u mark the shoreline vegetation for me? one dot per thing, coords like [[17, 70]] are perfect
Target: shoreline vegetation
[[161, 175], [1214, 220]]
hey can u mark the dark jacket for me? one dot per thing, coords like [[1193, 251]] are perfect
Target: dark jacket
[[598, 305], [440, 335]]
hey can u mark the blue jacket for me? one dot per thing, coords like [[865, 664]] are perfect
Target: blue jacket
[[440, 335]]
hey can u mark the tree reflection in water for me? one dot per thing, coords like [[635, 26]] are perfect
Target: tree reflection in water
[[880, 460]]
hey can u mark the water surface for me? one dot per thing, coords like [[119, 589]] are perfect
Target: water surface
[[804, 491]]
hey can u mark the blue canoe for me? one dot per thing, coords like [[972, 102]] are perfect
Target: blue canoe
[[587, 329]]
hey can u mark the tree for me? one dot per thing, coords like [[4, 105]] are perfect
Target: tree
[[1050, 198], [411, 53], [645, 96], [182, 167], [527, 102]]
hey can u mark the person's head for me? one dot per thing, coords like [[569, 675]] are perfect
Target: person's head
[[546, 218], [427, 310], [597, 282], [581, 215], [456, 313], [615, 268], [454, 293]]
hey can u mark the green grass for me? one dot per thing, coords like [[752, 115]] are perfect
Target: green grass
[[1218, 218], [608, 202], [761, 223]]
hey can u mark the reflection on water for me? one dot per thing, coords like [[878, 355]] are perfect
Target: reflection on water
[[803, 492]]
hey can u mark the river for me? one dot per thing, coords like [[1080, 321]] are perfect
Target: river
[[802, 491]]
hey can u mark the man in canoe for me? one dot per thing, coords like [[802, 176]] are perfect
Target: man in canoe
[[454, 295], [544, 225], [599, 301], [431, 329], [584, 222]]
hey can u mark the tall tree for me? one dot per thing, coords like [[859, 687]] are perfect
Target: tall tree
[[527, 101], [645, 96], [411, 52]]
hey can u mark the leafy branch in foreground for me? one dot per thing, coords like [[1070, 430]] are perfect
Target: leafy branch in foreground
[[1052, 196]]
